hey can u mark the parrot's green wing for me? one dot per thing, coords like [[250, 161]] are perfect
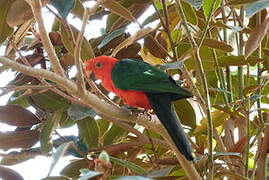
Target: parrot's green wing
[[129, 74]]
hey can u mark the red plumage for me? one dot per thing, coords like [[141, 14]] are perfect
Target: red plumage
[[102, 67]]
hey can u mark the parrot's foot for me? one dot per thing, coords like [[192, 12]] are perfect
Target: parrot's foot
[[128, 109], [132, 110]]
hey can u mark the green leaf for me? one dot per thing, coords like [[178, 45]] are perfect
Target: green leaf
[[78, 9], [183, 48], [58, 154], [63, 6], [151, 18], [5, 30], [218, 118], [207, 4], [256, 7], [72, 169], [103, 126], [118, 9], [189, 13], [50, 101], [66, 121], [185, 113], [208, 65], [225, 61], [129, 165], [86, 48], [114, 21], [18, 99], [111, 36], [77, 112], [47, 130], [227, 154], [113, 134], [89, 131]]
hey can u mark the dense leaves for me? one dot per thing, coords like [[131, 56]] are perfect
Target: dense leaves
[[227, 40]]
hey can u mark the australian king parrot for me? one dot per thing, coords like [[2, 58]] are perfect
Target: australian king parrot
[[142, 85]]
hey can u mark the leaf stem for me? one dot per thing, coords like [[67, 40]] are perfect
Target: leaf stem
[[228, 73], [167, 28], [207, 24], [259, 73], [197, 58], [241, 47]]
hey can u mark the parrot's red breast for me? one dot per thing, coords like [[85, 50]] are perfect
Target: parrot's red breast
[[102, 67]]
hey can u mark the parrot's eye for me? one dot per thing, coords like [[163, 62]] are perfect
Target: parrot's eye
[[98, 65]]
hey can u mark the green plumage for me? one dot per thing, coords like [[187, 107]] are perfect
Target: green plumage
[[137, 75]]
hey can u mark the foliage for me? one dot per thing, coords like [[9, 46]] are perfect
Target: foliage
[[216, 49]]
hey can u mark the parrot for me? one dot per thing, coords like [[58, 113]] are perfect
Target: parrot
[[142, 85]]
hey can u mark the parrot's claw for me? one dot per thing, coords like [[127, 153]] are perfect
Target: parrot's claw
[[127, 108], [132, 110]]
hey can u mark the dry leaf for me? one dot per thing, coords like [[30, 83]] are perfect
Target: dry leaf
[[154, 49], [239, 146], [256, 37], [18, 139], [138, 35], [19, 13]]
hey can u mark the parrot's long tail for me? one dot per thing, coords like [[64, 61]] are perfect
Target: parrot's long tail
[[163, 108]]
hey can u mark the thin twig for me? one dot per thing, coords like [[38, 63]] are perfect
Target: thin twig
[[197, 58], [167, 28], [87, 13], [153, 149], [207, 24]]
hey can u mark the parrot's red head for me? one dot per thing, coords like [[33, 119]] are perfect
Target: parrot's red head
[[99, 66]]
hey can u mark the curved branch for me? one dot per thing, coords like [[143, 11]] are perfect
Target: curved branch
[[36, 8], [88, 98], [105, 109]]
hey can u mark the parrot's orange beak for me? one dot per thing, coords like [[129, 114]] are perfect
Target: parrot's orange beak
[[87, 68]]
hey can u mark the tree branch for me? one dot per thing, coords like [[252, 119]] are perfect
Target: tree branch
[[36, 8], [201, 71], [87, 13], [104, 109]]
